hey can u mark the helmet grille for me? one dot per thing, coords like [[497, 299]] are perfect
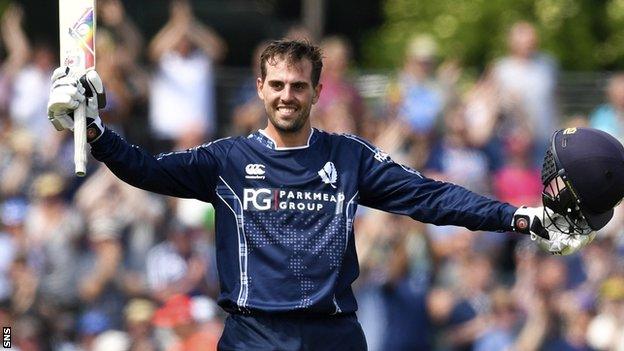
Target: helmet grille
[[549, 168]]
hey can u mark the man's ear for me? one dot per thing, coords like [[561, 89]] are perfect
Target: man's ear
[[317, 93], [259, 85]]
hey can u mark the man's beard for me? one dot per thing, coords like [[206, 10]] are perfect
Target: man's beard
[[292, 125]]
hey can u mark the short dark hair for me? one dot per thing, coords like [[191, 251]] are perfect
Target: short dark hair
[[293, 51]]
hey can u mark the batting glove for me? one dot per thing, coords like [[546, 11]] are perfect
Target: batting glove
[[67, 92], [550, 231], [530, 220]]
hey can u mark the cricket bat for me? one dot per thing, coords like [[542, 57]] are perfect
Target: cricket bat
[[77, 43]]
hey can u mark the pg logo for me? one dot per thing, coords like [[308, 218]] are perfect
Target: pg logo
[[257, 199], [254, 171]]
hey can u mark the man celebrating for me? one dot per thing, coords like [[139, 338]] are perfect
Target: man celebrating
[[285, 198]]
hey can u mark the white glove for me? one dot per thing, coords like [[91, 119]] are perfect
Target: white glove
[[550, 231], [67, 92]]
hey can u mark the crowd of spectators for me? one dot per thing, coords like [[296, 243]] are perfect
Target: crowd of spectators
[[94, 264]]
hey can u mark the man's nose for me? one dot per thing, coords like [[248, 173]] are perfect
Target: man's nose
[[287, 94]]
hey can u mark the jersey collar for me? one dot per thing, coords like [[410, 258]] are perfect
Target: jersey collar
[[261, 137]]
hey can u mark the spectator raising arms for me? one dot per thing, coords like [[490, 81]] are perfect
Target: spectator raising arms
[[182, 98]]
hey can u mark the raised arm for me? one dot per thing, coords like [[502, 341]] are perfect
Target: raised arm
[[173, 32], [115, 17], [14, 38], [189, 174]]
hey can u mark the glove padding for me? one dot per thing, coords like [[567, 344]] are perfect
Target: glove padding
[[68, 91], [555, 238]]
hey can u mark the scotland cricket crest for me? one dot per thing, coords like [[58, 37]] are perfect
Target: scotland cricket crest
[[328, 174]]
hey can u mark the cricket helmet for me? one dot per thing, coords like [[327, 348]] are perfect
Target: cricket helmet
[[583, 178]]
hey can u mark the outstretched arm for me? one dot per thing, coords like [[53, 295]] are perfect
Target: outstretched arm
[[389, 186]]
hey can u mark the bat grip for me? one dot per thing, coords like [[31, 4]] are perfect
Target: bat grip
[[80, 140]]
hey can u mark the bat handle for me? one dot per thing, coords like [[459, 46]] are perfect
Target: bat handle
[[80, 140]]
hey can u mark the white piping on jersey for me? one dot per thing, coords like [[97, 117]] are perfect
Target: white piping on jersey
[[375, 151], [349, 221], [359, 141], [287, 148], [213, 142], [349, 226], [338, 310], [191, 149], [242, 248]]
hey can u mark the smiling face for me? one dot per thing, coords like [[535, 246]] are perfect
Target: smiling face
[[288, 94]]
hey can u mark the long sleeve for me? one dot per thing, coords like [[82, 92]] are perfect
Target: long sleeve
[[389, 186], [188, 174]]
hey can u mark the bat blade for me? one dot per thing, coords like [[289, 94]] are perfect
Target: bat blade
[[77, 25]]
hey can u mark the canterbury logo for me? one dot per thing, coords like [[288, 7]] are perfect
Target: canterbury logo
[[254, 171]]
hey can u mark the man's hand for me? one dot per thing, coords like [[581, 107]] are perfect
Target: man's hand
[[550, 231], [530, 220], [68, 91]]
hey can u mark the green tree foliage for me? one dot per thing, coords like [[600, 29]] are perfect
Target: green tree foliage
[[581, 34]]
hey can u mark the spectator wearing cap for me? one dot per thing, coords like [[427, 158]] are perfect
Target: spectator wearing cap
[[177, 265], [178, 315], [138, 315], [419, 96]]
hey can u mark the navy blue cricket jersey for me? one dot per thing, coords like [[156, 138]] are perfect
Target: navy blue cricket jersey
[[284, 216]]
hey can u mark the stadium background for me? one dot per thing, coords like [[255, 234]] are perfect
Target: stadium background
[[95, 265]]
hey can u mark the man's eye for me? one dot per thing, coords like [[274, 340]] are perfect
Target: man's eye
[[277, 86]]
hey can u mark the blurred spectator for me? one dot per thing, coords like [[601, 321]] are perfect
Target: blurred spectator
[[18, 163], [111, 340], [182, 97], [136, 213], [178, 315], [53, 229], [30, 90], [17, 52], [179, 264], [119, 45], [502, 325], [138, 315], [454, 159], [91, 324], [393, 285], [519, 179], [249, 114], [419, 97], [340, 108], [12, 240], [529, 78], [610, 116], [99, 279], [606, 329]]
